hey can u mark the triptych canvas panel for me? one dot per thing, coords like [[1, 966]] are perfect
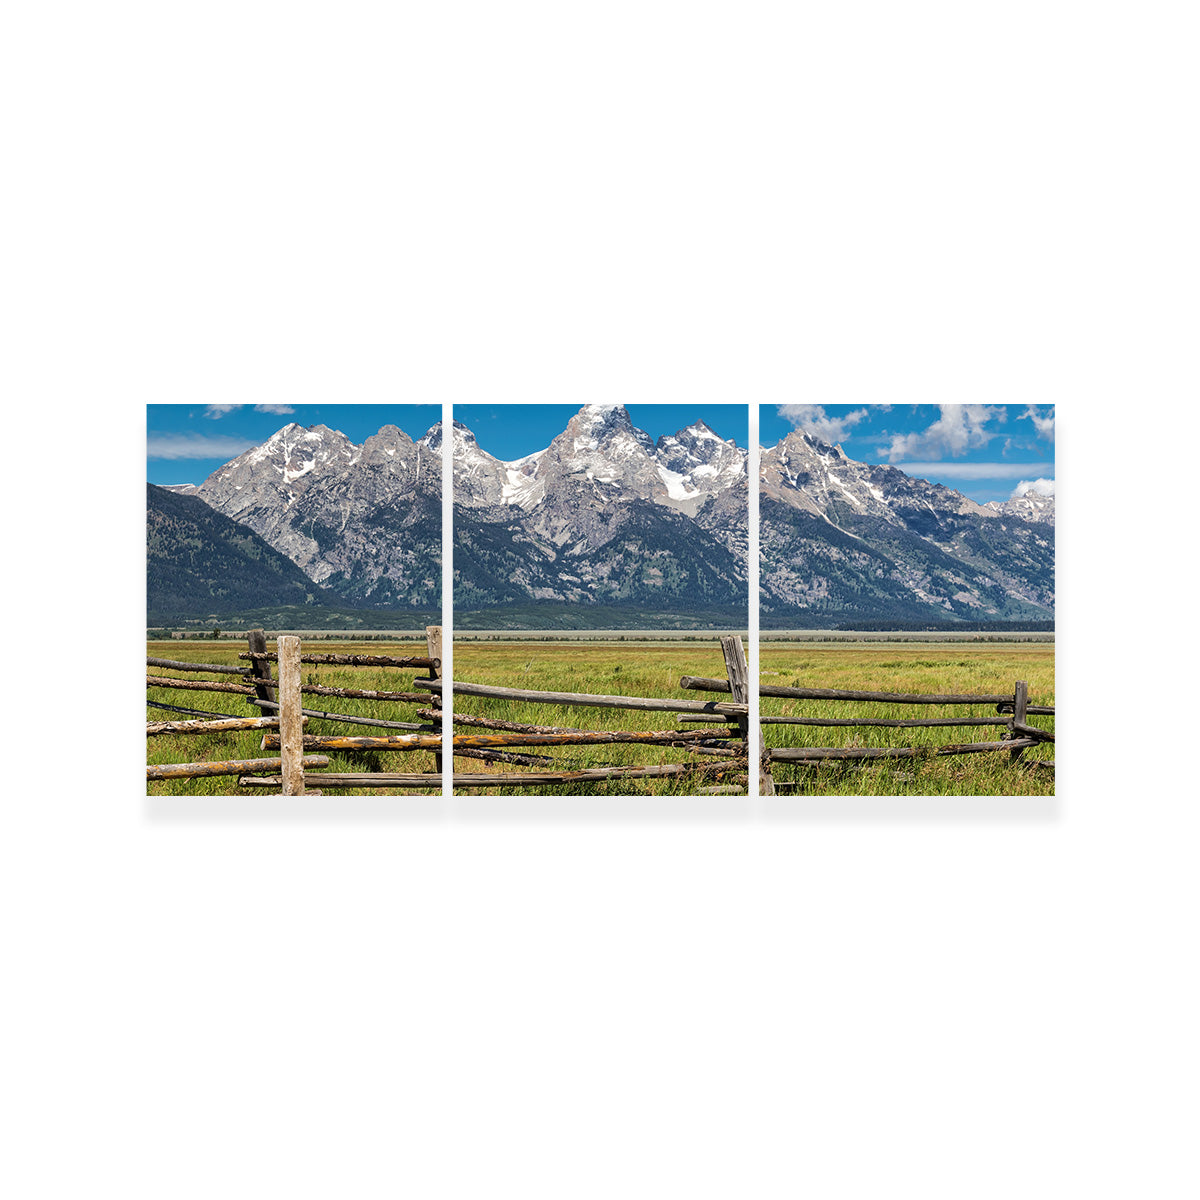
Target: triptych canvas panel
[[645, 599]]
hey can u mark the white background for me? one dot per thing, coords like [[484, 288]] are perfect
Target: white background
[[860, 203]]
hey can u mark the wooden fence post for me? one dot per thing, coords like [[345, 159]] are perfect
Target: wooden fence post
[[433, 643], [291, 721], [1020, 705], [260, 669], [739, 684]]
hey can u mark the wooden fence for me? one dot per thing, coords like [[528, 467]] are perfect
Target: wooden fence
[[1013, 709], [283, 695], [718, 758]]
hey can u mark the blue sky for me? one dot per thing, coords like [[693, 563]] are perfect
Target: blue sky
[[185, 443], [985, 451], [511, 431]]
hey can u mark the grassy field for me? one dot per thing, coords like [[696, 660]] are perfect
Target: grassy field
[[603, 667], [178, 748], [908, 667]]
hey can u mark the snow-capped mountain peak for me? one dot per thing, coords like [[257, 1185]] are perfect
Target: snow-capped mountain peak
[[605, 454]]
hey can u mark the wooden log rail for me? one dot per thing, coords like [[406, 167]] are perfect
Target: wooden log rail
[[818, 753], [701, 684], [242, 766], [172, 664], [880, 722], [220, 725], [418, 741], [517, 727], [431, 781], [198, 685], [308, 689], [349, 660], [522, 779], [586, 700]]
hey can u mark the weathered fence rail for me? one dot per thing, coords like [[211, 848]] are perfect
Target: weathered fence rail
[[585, 700], [172, 664]]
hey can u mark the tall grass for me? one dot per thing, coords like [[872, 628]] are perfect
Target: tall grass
[[925, 668]]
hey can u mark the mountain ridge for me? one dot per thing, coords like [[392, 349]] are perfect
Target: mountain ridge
[[841, 539], [601, 516], [361, 520]]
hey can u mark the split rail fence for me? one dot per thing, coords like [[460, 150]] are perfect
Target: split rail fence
[[717, 759], [281, 697], [1013, 712]]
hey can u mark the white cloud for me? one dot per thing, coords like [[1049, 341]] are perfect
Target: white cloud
[[279, 409], [1040, 487], [215, 412], [1043, 424], [961, 427], [192, 445], [812, 418], [972, 470]]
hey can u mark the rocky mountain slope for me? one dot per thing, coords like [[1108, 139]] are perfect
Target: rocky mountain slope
[[603, 516], [362, 521], [842, 540]]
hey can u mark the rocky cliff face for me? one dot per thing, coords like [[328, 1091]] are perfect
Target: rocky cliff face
[[363, 521], [840, 539]]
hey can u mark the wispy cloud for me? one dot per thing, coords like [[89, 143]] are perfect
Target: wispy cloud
[[1041, 487], [195, 445], [1044, 424], [974, 470], [961, 427], [812, 418], [215, 412]]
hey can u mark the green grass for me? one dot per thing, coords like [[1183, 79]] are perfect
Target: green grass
[[179, 748], [989, 668], [602, 668]]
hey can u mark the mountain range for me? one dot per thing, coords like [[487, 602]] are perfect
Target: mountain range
[[844, 541], [363, 522], [603, 517], [339, 527], [604, 526]]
